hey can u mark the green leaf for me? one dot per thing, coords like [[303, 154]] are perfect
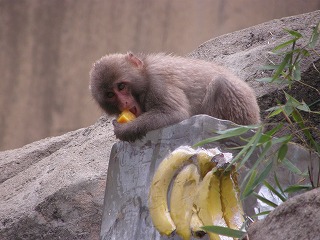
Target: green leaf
[[261, 213], [304, 107], [283, 64], [255, 181], [276, 192], [276, 111], [267, 79], [291, 167], [296, 34], [232, 132], [274, 130], [278, 184], [224, 231], [263, 175], [285, 139], [314, 36], [282, 45], [269, 67], [252, 144], [266, 201], [297, 72], [297, 188], [248, 189], [282, 152]]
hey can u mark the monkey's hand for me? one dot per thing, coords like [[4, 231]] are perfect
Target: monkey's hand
[[127, 131]]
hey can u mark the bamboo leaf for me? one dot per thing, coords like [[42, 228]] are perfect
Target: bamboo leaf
[[278, 184], [291, 167], [297, 188], [296, 34], [282, 152], [264, 200], [248, 189], [224, 231], [314, 36], [225, 134], [282, 45], [283, 64], [273, 190]]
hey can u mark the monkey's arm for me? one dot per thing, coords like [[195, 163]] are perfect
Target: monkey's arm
[[150, 120]]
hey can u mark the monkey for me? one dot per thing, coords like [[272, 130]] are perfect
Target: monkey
[[162, 89]]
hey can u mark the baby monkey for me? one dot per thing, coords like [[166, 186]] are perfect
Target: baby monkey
[[162, 90]]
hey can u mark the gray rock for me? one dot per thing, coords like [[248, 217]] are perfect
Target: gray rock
[[53, 188], [297, 218]]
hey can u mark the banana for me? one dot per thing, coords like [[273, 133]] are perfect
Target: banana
[[158, 205], [204, 162], [231, 204], [196, 224], [182, 196], [208, 203]]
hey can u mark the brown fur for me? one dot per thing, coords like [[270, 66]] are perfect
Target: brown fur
[[166, 89]]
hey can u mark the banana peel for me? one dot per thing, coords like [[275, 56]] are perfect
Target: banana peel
[[204, 162], [182, 197], [230, 199], [157, 201], [208, 203], [196, 224]]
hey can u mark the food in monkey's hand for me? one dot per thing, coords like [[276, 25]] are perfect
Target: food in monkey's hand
[[126, 116], [202, 189]]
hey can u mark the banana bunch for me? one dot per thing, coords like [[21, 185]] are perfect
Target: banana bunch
[[199, 191]]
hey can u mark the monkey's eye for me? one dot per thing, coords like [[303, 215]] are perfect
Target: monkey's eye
[[121, 86], [110, 95]]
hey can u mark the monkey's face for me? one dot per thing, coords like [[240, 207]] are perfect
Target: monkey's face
[[112, 86]]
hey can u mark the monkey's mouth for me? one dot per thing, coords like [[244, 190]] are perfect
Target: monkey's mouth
[[134, 110]]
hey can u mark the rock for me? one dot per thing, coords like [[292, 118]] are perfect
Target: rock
[[245, 51], [54, 188], [297, 218]]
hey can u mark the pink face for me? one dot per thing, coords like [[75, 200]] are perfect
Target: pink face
[[121, 97]]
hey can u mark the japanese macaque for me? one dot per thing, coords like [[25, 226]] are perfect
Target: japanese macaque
[[162, 90]]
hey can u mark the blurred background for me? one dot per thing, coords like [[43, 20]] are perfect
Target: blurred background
[[47, 48]]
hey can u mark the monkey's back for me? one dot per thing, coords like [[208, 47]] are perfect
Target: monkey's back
[[198, 78]]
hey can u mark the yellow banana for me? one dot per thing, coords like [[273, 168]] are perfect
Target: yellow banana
[[231, 204], [182, 196], [208, 203], [158, 205], [204, 162], [196, 224]]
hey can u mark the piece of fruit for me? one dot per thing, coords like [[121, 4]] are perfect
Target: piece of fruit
[[181, 201], [204, 162], [196, 224], [126, 116], [208, 203], [158, 205], [231, 204]]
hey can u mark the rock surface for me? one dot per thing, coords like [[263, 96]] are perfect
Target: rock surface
[[297, 218], [54, 188]]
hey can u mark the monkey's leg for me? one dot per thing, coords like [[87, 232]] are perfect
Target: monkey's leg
[[230, 100]]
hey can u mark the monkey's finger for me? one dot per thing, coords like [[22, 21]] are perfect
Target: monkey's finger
[[114, 122]]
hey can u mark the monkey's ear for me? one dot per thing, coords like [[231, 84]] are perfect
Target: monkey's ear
[[134, 60]]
